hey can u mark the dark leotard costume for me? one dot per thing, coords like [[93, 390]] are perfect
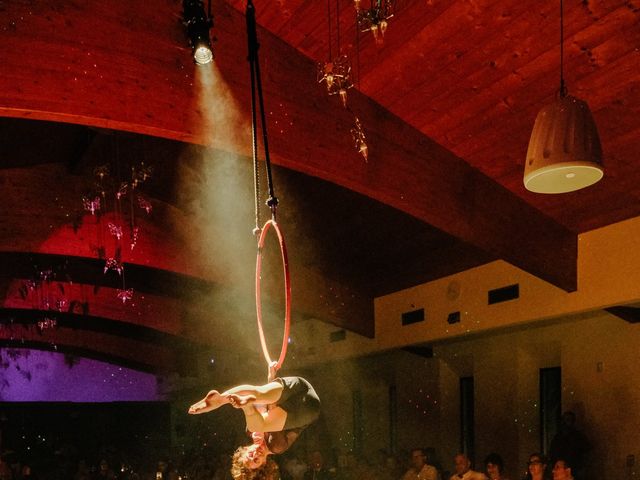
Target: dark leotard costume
[[302, 405]]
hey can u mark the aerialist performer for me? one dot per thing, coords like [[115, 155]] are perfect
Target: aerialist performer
[[275, 413]]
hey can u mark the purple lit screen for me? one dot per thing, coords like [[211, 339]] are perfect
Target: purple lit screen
[[40, 376]]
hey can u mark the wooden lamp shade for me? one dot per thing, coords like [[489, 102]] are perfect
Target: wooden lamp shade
[[564, 151]]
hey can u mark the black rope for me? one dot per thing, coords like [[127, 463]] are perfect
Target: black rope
[[256, 85], [358, 49], [338, 25], [329, 29], [563, 87], [254, 145]]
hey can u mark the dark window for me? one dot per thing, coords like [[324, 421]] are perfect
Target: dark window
[[466, 417], [550, 405]]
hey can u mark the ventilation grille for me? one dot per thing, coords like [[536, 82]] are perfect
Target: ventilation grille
[[413, 317], [504, 294], [337, 336]]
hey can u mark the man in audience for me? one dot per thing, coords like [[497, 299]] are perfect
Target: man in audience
[[420, 469], [562, 470], [570, 444], [463, 469]]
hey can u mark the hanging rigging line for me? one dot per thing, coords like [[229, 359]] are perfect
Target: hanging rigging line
[[272, 201]]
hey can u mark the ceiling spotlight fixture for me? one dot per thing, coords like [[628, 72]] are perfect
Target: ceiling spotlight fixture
[[336, 73], [374, 18], [564, 151], [198, 24]]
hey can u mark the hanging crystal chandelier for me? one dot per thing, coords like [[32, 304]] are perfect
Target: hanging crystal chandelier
[[337, 77], [374, 18], [336, 72], [359, 139]]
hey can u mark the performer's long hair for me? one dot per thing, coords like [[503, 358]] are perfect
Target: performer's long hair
[[239, 470]]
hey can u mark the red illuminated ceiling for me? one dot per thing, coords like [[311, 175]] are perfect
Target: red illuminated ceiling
[[447, 104]]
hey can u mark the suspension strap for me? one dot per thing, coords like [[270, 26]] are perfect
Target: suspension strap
[[256, 87]]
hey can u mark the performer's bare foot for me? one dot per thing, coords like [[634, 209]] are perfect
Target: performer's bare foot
[[239, 401], [212, 401]]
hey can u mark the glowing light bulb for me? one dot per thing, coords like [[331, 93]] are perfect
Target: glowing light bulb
[[329, 81], [383, 26], [364, 151], [376, 33], [343, 96], [203, 55]]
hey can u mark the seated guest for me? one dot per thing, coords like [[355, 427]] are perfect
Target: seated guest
[[463, 469], [494, 466], [537, 467], [420, 470], [562, 470]]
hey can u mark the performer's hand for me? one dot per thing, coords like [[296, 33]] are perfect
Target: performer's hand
[[212, 401], [273, 371], [258, 437], [239, 401]]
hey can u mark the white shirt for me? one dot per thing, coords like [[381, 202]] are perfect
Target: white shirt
[[470, 475], [427, 472]]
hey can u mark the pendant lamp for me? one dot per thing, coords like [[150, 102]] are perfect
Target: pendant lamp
[[564, 151]]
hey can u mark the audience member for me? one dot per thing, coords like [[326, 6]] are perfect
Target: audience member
[[420, 469], [494, 467], [391, 469], [294, 467], [537, 468], [570, 444], [105, 473], [562, 470], [463, 469]]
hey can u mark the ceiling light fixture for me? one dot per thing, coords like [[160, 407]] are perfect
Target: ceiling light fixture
[[374, 18], [336, 73], [198, 24], [564, 151]]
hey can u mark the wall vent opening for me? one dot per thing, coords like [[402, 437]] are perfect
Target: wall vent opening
[[453, 317], [414, 316], [337, 336], [504, 294]]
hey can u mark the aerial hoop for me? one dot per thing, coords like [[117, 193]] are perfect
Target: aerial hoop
[[287, 293]]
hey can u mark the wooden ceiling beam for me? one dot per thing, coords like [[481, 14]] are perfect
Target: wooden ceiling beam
[[110, 81]]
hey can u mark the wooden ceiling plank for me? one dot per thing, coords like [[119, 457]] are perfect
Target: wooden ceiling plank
[[493, 62], [524, 86], [421, 178]]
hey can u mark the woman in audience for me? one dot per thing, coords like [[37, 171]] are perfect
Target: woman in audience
[[494, 467], [537, 468]]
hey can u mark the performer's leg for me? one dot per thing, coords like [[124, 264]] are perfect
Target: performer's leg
[[240, 395], [248, 394]]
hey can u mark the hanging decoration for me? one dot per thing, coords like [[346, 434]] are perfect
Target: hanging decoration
[[336, 72], [359, 139], [115, 202], [374, 18]]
